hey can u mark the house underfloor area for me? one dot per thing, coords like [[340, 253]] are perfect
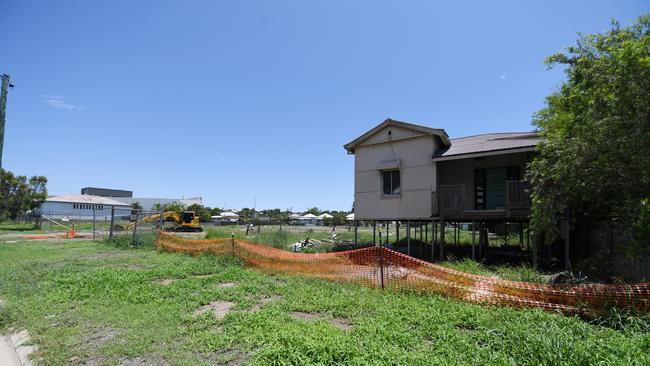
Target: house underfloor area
[[491, 242]]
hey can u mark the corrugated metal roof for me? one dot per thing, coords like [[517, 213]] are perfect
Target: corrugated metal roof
[[489, 142], [84, 198]]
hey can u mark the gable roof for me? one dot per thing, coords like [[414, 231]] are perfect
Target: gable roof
[[391, 122], [505, 142]]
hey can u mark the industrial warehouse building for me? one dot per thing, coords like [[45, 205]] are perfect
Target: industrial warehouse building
[[147, 203], [98, 202], [82, 207]]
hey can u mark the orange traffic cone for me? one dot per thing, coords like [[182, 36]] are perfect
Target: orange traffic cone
[[71, 233]]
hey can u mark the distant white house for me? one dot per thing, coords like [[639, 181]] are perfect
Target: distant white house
[[309, 219], [82, 207], [226, 217], [294, 219], [322, 217]]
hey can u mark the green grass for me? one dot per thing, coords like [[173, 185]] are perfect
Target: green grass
[[92, 302], [22, 228], [507, 272], [283, 238]]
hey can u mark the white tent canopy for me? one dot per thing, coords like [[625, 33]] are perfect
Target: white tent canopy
[[308, 216], [350, 217], [325, 216]]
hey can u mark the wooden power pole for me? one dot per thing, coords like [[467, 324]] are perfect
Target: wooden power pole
[[6, 84]]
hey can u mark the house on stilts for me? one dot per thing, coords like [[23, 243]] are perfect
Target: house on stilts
[[423, 188]]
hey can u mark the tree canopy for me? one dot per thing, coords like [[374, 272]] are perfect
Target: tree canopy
[[594, 161], [204, 213], [20, 195]]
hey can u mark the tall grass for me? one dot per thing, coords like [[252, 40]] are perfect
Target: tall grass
[[507, 272], [123, 241]]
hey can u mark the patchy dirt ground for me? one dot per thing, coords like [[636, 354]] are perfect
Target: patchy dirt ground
[[265, 300], [218, 308]]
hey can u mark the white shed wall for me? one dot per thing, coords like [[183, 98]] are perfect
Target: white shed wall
[[58, 210]]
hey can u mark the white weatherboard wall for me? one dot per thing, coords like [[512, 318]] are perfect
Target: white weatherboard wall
[[413, 150]]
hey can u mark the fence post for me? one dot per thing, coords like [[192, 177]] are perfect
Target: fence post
[[356, 238], [110, 230], [162, 214], [381, 259], [408, 237], [93, 222], [442, 239], [232, 240], [135, 228], [473, 240]]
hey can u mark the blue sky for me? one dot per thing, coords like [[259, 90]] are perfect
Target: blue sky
[[240, 100]]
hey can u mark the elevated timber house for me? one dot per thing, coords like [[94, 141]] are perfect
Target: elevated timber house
[[413, 180]]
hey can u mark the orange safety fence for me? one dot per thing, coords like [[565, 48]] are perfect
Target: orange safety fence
[[381, 267]]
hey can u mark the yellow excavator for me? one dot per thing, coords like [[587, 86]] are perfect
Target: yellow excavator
[[186, 221]]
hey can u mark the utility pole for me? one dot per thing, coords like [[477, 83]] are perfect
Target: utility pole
[[3, 107]]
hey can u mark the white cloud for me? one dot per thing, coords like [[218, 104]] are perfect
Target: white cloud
[[58, 101], [503, 76], [216, 158]]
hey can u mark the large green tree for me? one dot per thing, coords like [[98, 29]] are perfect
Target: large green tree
[[19, 195], [594, 161]]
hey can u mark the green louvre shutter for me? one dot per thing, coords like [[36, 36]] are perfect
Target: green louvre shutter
[[495, 188]]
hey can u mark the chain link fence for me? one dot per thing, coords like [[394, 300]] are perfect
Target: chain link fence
[[122, 225]]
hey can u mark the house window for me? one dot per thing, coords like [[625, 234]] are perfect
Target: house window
[[390, 182]]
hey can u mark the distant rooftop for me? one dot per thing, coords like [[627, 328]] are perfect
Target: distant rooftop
[[106, 192], [85, 198], [489, 142]]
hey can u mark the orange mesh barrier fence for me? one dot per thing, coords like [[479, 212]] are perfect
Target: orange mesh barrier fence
[[385, 268]]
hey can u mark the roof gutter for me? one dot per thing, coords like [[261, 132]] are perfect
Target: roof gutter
[[484, 153]]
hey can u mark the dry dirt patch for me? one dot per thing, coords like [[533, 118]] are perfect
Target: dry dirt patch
[[339, 323], [230, 357], [143, 361], [218, 308], [265, 300], [165, 281], [226, 285], [99, 337], [342, 324]]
